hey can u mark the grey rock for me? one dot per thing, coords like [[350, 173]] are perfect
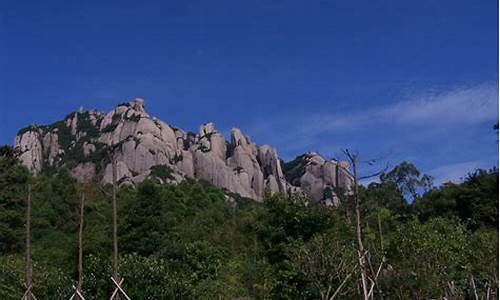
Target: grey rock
[[84, 172], [29, 146], [51, 147], [318, 177], [74, 124], [141, 142], [122, 172]]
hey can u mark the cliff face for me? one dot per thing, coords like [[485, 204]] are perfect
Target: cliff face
[[147, 147]]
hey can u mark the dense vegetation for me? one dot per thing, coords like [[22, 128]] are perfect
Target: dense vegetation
[[188, 241]]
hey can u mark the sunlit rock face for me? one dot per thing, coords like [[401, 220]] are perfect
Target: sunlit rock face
[[29, 147], [146, 147]]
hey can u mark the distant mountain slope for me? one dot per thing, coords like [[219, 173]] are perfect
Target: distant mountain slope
[[147, 147]]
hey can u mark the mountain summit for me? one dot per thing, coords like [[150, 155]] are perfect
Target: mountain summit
[[146, 147]]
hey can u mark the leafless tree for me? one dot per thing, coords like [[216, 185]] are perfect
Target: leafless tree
[[80, 247], [117, 281], [115, 221], [28, 295], [353, 158], [368, 283]]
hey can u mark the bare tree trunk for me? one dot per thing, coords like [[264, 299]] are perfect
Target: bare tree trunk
[[380, 232], [80, 246], [115, 225], [361, 248], [383, 255], [323, 296], [473, 285], [29, 267]]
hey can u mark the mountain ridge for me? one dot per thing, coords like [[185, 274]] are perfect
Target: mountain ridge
[[146, 147]]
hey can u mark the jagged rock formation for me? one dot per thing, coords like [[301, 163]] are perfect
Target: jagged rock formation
[[321, 179], [146, 147]]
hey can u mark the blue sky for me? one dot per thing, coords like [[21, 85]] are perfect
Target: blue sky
[[394, 80]]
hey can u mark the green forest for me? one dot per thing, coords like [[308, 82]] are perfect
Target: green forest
[[194, 241]]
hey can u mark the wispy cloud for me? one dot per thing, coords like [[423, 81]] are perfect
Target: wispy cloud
[[455, 172], [366, 182], [461, 106], [416, 125]]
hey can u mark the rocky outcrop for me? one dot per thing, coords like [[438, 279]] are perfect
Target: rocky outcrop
[[29, 146], [86, 140], [271, 168], [318, 177], [85, 172]]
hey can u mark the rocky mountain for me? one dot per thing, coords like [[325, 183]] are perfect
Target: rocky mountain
[[146, 147]]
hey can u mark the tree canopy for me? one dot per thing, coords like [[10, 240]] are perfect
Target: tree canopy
[[194, 241]]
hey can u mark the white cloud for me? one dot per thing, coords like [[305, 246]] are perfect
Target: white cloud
[[366, 182], [410, 121], [463, 106], [455, 172], [458, 107]]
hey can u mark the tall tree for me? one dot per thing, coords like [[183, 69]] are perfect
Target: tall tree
[[80, 245], [359, 234], [408, 180], [116, 276], [13, 180], [29, 266]]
